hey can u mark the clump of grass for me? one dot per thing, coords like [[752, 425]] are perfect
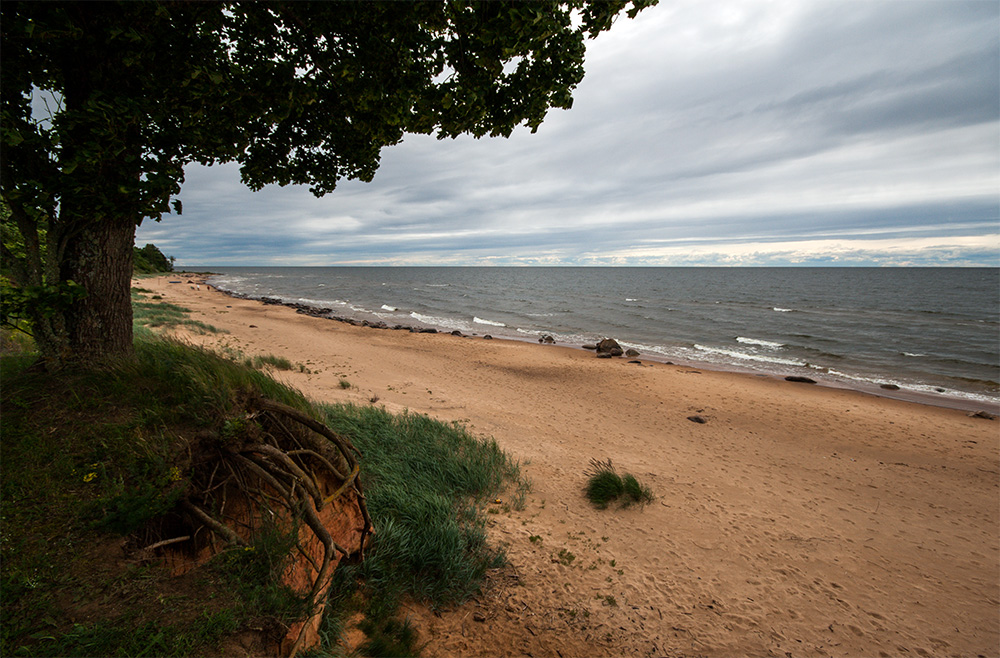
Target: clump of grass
[[605, 485], [391, 638], [264, 360]]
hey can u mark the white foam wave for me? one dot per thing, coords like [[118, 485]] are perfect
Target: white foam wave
[[781, 310], [631, 299], [489, 322], [386, 307], [912, 354], [744, 356], [317, 303], [443, 323], [760, 342]]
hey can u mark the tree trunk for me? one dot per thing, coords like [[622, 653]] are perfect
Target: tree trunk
[[98, 211], [99, 258]]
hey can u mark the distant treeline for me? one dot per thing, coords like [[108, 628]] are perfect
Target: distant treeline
[[150, 260]]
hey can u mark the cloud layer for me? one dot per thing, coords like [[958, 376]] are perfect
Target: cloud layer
[[728, 133]]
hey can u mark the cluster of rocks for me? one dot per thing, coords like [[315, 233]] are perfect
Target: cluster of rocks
[[609, 347], [318, 312]]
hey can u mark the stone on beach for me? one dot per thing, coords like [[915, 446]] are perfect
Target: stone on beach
[[609, 346]]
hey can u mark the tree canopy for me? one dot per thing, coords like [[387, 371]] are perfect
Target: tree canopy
[[103, 104]]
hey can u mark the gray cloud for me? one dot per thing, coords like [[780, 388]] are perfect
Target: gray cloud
[[730, 132]]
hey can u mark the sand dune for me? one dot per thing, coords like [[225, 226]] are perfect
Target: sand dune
[[798, 520]]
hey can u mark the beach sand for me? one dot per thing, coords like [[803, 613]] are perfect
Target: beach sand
[[797, 521]]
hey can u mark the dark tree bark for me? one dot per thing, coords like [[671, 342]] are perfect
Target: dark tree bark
[[99, 258]]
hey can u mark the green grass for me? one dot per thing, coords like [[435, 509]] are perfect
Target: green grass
[[605, 485], [268, 360], [427, 484], [160, 314], [90, 457]]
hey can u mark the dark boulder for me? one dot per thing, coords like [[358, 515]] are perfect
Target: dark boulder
[[609, 346], [801, 380], [549, 340], [631, 352]]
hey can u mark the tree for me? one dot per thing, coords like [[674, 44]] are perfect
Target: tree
[[103, 104], [150, 259]]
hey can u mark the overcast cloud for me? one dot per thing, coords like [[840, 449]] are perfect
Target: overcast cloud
[[721, 133]]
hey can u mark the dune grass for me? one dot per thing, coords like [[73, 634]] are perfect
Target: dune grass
[[91, 456], [605, 485], [160, 314]]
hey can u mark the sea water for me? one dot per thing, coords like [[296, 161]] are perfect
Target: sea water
[[926, 330]]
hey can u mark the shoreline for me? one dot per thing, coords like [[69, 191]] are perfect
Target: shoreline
[[797, 519], [943, 399]]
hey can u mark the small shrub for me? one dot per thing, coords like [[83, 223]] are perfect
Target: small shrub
[[604, 485]]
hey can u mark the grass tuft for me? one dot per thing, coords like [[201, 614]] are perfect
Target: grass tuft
[[264, 360], [605, 486]]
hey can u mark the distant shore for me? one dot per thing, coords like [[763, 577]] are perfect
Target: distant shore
[[796, 519]]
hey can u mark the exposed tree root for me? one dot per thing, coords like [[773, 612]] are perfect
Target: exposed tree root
[[280, 467]]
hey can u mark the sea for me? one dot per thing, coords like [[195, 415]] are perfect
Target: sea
[[932, 332]]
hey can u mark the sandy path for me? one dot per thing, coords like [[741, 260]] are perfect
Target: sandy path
[[798, 520]]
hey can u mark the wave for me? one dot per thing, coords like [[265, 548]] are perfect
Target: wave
[[781, 310], [439, 322], [489, 322], [744, 356], [386, 307], [760, 342]]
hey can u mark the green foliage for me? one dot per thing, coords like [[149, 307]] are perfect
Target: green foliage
[[391, 638], [255, 572], [604, 486], [565, 557], [150, 260], [19, 305], [140, 639]]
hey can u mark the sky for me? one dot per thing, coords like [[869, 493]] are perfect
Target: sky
[[723, 133]]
